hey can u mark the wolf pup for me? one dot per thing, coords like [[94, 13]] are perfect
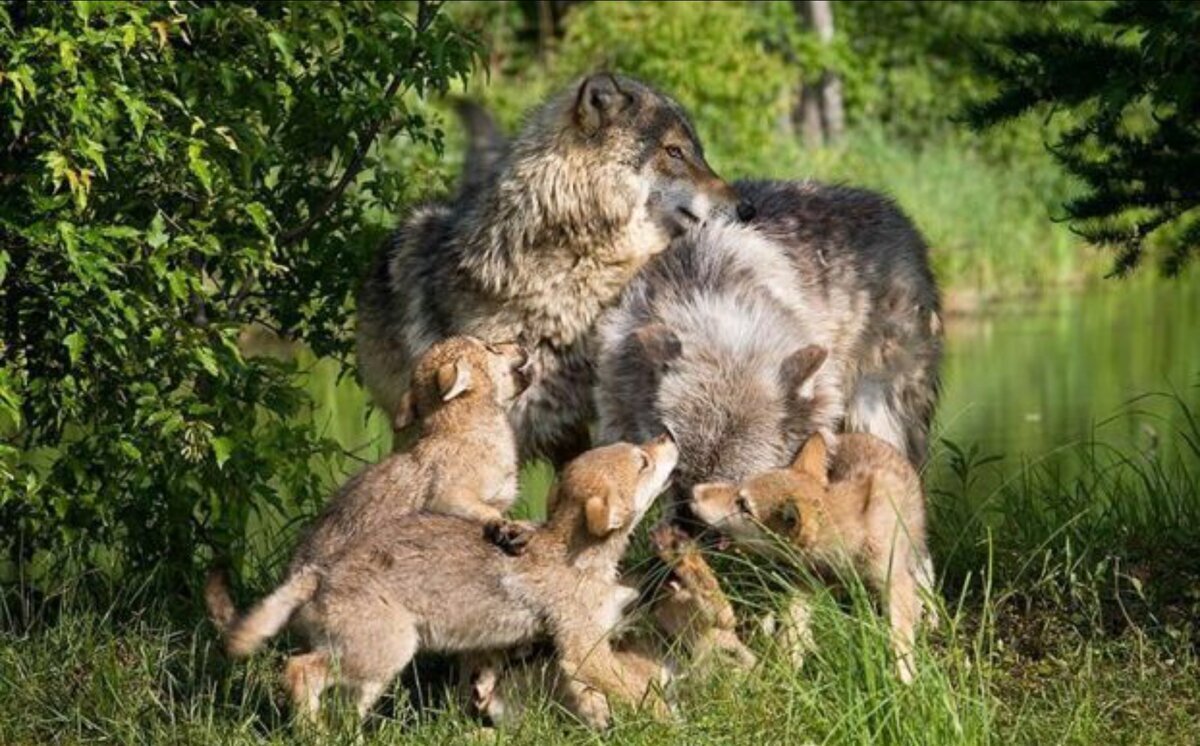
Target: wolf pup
[[464, 464], [431, 582], [691, 616], [598, 181], [743, 340], [864, 512]]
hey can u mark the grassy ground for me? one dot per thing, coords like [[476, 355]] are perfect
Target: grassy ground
[[1069, 613]]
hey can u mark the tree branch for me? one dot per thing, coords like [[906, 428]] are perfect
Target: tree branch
[[426, 12]]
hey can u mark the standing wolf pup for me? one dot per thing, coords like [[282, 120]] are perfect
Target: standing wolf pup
[[465, 464], [599, 180]]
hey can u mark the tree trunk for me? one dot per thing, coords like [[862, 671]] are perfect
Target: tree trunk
[[820, 113]]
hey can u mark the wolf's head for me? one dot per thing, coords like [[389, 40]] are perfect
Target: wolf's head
[[787, 503], [650, 132], [735, 396], [459, 369]]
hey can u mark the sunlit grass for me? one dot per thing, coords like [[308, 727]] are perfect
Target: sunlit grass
[[1068, 609]]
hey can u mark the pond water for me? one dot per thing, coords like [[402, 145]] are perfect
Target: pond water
[[1035, 376]]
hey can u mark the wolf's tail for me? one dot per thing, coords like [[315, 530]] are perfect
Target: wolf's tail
[[245, 634], [486, 144]]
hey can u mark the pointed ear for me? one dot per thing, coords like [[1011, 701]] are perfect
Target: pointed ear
[[814, 459], [406, 412], [711, 491], [454, 379], [603, 513], [659, 344], [599, 102], [799, 368]]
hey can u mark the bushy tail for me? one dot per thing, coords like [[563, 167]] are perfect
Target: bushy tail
[[245, 634], [485, 145]]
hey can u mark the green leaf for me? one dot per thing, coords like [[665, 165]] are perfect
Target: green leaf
[[74, 343], [198, 165], [66, 55], [222, 448], [258, 214], [207, 359], [4, 261], [157, 236]]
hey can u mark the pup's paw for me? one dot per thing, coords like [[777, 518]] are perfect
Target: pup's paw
[[511, 536]]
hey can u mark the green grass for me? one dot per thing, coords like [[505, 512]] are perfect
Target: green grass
[[1069, 608]]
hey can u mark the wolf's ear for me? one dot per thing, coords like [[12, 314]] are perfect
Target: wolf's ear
[[799, 368], [599, 102], [604, 513], [658, 343], [454, 379], [406, 412], [813, 459]]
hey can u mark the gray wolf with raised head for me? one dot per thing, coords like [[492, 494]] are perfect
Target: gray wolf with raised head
[[743, 340], [542, 237]]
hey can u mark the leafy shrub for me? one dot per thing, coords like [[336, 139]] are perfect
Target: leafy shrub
[[172, 172]]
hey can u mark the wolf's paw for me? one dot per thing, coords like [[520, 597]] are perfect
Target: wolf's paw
[[511, 536]]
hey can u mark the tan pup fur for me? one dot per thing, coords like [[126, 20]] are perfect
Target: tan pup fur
[[464, 464], [691, 615], [432, 582], [863, 512]]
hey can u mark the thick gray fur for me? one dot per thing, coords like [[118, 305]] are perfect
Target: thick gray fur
[[544, 234], [823, 265]]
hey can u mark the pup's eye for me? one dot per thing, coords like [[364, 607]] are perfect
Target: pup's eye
[[645, 461], [675, 152]]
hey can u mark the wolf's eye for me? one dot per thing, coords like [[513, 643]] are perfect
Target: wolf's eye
[[644, 461], [675, 152]]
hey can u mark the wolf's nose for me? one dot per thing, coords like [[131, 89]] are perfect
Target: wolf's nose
[[746, 211]]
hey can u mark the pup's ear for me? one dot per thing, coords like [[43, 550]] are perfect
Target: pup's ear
[[406, 413], [599, 102], [604, 513], [712, 491], [799, 368], [454, 379], [658, 343], [813, 459]]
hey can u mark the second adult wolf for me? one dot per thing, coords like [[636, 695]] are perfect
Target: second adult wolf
[[538, 244], [743, 340]]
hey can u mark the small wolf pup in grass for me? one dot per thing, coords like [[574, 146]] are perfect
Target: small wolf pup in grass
[[598, 181], [863, 513]]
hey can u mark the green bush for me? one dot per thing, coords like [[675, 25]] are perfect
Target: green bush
[[172, 172]]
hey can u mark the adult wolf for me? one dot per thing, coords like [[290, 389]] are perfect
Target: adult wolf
[[743, 341], [598, 181]]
